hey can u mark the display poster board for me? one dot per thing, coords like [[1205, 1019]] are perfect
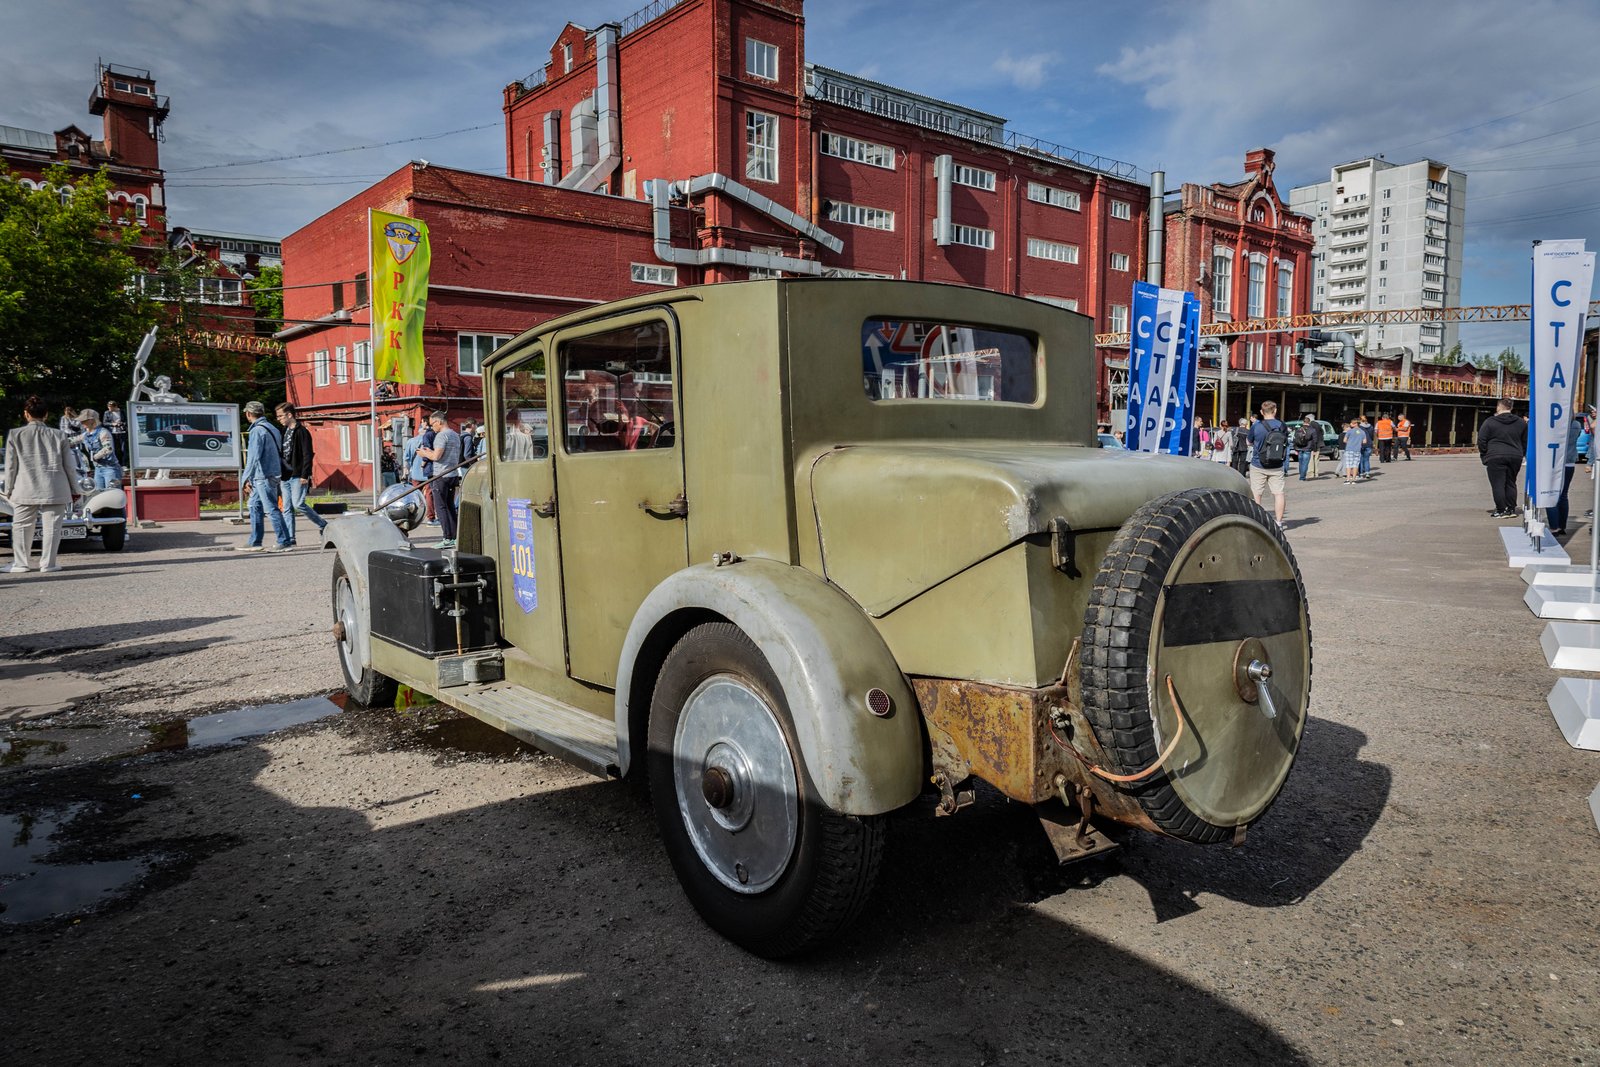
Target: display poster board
[[184, 437]]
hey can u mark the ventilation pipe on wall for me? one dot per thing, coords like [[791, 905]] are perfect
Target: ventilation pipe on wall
[[944, 169], [552, 148], [1347, 351], [583, 137], [603, 117], [661, 194], [1158, 227]]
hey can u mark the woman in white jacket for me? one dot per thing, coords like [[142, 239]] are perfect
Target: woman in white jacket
[[39, 485]]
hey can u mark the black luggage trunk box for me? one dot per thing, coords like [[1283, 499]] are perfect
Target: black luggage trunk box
[[412, 597]]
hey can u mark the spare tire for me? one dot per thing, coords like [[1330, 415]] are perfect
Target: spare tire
[[1197, 586]]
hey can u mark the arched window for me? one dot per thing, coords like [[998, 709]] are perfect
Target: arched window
[[28, 184], [139, 205]]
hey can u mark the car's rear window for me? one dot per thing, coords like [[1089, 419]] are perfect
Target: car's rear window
[[921, 359]]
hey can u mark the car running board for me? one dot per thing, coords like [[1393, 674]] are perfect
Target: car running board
[[569, 733]]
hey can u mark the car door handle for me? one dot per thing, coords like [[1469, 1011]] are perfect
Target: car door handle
[[547, 510], [676, 508]]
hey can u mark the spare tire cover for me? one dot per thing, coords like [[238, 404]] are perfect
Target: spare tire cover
[[1197, 585]]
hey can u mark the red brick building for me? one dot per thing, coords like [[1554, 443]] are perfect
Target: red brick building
[[129, 148], [693, 142], [1246, 255]]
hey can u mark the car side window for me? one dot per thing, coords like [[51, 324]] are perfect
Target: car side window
[[616, 389], [524, 419]]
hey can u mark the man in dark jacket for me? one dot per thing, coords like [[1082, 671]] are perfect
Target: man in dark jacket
[[297, 457], [1502, 441]]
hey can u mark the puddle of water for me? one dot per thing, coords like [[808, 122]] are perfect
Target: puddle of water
[[19, 749], [245, 722], [32, 888]]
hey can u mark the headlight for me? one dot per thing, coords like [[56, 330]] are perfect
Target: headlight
[[86, 484], [403, 505]]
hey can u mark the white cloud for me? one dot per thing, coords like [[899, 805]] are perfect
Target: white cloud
[[1026, 72]]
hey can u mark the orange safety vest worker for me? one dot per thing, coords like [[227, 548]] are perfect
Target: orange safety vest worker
[[1404, 428], [1385, 430]]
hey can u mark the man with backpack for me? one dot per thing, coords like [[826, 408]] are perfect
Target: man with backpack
[[1308, 439], [1270, 452]]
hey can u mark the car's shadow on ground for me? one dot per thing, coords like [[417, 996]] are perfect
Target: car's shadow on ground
[[552, 921]]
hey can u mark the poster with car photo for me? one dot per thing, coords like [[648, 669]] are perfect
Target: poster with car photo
[[185, 437]]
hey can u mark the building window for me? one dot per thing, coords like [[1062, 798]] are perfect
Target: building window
[[761, 59], [319, 362], [1121, 209], [873, 218], [139, 206], [1256, 356], [361, 290], [363, 356], [566, 58], [761, 147], [1119, 261], [1285, 287], [978, 179], [1256, 306], [1046, 194], [975, 236], [344, 442], [473, 348], [1055, 301], [1059, 251], [364, 442], [877, 155], [1119, 318], [1221, 284], [653, 274], [341, 368]]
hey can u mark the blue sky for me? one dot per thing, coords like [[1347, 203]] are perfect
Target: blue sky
[[1505, 90]]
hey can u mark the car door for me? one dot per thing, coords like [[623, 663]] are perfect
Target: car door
[[523, 505], [619, 479]]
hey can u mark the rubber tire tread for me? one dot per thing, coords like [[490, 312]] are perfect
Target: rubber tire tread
[[371, 689], [1116, 642], [837, 857], [112, 538]]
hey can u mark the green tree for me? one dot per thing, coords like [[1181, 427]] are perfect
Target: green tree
[[198, 297], [1512, 362], [271, 371], [71, 314], [1455, 356]]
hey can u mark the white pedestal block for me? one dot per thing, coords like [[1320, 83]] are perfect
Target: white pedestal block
[[1594, 806], [1571, 602], [1522, 550], [1575, 703], [1572, 646], [1558, 574]]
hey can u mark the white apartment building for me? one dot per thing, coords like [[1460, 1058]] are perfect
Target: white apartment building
[[1388, 236]]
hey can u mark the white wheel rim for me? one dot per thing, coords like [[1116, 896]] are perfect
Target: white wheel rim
[[344, 610], [728, 730]]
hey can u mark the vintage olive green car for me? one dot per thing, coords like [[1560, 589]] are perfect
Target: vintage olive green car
[[801, 551]]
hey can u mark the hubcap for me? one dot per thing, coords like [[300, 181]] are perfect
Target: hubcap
[[737, 789], [346, 626]]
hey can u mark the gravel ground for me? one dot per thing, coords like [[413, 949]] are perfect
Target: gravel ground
[[374, 887]]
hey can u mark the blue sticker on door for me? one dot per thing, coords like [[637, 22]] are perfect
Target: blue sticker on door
[[524, 583]]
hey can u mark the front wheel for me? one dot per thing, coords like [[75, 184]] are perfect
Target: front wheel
[[213, 444], [759, 857], [365, 685], [114, 537]]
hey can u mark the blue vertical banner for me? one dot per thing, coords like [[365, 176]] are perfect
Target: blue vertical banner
[[524, 578], [1563, 274], [1162, 368]]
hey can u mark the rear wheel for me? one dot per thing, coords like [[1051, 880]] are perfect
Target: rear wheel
[[760, 858], [365, 685], [1199, 586], [213, 443]]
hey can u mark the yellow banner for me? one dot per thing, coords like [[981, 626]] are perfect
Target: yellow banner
[[400, 260]]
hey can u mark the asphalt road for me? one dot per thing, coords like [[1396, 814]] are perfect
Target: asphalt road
[[375, 887]]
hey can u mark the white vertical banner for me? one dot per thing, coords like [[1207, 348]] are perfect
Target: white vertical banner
[[1562, 276]]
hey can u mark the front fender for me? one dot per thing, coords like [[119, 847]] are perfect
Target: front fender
[[106, 500], [355, 537], [827, 655]]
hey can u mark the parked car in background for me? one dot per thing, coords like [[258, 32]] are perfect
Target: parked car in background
[[98, 515], [1330, 442], [1109, 440]]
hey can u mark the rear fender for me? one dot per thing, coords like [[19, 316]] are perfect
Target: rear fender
[[355, 537], [825, 652]]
